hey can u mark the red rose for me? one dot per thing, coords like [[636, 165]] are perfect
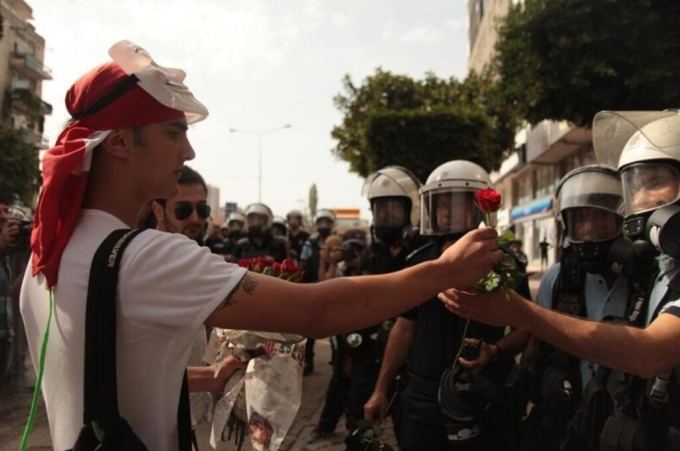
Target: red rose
[[277, 268], [244, 263], [289, 266], [488, 200]]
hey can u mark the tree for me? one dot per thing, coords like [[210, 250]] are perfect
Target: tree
[[394, 119], [19, 165], [313, 200], [568, 59]]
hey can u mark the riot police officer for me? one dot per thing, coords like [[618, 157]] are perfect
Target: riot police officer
[[260, 242], [586, 283], [448, 211], [309, 260], [645, 350], [297, 235]]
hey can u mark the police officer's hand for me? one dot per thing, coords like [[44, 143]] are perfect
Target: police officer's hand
[[471, 257], [8, 231], [375, 408], [487, 354], [224, 370], [501, 308]]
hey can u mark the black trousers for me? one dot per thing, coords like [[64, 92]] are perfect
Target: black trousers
[[424, 427]]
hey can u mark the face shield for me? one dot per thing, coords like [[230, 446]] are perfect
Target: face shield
[[596, 189], [447, 212], [591, 225], [649, 186], [390, 212], [256, 220]]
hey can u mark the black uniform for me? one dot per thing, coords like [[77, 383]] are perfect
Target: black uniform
[[296, 242], [347, 393], [271, 246], [438, 336]]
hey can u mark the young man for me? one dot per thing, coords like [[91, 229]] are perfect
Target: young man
[[646, 351], [126, 146]]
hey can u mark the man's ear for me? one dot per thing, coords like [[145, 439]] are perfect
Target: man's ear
[[117, 143], [157, 210]]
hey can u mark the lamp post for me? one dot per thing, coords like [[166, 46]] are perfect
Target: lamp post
[[259, 135]]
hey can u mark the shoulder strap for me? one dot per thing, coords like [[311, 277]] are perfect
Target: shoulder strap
[[101, 394], [101, 386]]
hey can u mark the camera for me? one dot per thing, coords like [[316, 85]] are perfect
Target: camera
[[22, 240]]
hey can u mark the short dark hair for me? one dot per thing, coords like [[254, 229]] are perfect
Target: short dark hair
[[189, 176]]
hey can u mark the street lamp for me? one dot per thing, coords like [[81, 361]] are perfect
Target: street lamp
[[259, 135]]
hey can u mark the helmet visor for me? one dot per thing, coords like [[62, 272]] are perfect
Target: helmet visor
[[588, 224], [648, 186], [256, 219], [450, 212], [591, 189], [389, 212]]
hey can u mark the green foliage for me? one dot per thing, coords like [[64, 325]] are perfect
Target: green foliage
[[394, 119], [568, 59], [506, 273], [18, 165], [313, 200], [421, 141]]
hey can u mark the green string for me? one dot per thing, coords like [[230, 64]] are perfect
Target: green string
[[462, 342], [38, 382]]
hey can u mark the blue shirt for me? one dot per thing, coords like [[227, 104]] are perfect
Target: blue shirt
[[668, 268], [600, 302]]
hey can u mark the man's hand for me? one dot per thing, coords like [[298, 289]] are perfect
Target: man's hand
[[375, 409], [8, 231], [224, 370], [487, 354], [501, 308], [472, 256]]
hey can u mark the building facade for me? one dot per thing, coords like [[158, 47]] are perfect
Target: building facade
[[22, 52], [528, 177]]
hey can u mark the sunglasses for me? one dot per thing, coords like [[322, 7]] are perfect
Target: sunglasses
[[184, 209]]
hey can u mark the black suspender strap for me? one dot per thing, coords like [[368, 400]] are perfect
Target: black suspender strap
[[101, 394], [103, 428]]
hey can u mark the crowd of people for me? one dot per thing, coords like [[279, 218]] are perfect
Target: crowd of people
[[591, 364]]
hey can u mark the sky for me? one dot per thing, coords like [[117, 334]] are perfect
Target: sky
[[258, 65]]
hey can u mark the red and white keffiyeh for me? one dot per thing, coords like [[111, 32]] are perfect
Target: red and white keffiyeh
[[130, 91]]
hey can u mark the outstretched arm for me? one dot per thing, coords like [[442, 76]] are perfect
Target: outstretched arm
[[644, 352], [350, 303]]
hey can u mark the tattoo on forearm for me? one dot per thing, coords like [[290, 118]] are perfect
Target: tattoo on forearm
[[247, 284]]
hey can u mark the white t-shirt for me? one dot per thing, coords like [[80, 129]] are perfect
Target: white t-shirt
[[167, 288]]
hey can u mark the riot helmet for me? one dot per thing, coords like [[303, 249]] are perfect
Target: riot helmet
[[259, 219], [590, 207], [325, 222], [279, 227], [448, 206], [649, 164], [395, 202], [294, 219]]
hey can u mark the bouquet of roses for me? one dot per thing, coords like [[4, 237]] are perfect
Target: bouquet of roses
[[287, 270], [262, 402]]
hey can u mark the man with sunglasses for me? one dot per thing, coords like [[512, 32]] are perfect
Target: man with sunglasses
[[188, 211], [125, 146]]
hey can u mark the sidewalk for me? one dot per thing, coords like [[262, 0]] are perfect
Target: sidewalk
[[14, 411]]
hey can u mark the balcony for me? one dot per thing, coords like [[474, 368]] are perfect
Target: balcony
[[28, 65], [25, 101]]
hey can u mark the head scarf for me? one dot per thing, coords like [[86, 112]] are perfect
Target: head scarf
[[131, 91]]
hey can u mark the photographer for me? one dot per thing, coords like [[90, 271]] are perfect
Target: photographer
[[9, 230]]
